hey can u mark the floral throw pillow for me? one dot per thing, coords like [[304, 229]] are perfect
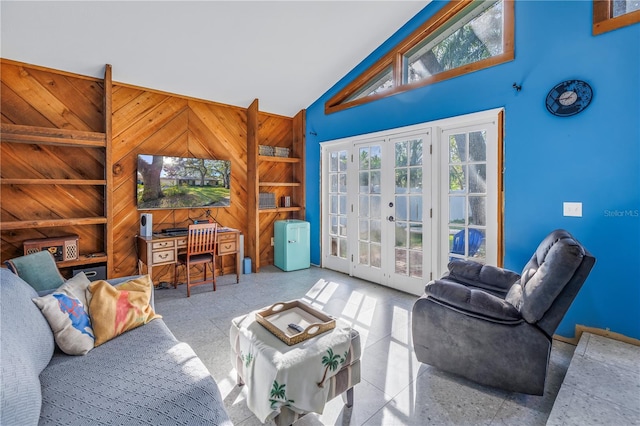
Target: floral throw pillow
[[116, 309], [66, 312]]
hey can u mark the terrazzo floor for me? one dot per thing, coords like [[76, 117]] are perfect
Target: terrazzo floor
[[395, 389]]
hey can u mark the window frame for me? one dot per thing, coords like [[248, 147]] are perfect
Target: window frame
[[604, 21], [395, 58]]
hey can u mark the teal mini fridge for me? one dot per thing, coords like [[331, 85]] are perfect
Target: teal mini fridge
[[291, 246]]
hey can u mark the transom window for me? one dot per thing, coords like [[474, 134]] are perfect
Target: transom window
[[610, 15], [463, 37]]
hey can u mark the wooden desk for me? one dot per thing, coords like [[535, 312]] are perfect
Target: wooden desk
[[163, 250]]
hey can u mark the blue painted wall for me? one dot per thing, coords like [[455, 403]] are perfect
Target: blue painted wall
[[593, 157]]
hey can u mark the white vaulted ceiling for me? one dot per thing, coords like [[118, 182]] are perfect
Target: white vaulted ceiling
[[285, 53]]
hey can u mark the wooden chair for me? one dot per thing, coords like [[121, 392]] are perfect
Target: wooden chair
[[201, 247]]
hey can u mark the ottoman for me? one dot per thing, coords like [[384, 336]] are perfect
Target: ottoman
[[340, 383]]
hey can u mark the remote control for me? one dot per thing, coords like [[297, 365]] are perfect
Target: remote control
[[296, 327]]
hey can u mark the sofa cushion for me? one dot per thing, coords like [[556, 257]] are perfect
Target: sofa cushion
[[492, 278], [116, 309], [26, 347], [67, 313], [144, 376], [39, 270]]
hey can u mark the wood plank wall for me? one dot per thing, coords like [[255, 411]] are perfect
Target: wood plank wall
[[144, 121], [36, 96], [149, 122]]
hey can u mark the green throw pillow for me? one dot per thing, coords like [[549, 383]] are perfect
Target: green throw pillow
[[39, 270]]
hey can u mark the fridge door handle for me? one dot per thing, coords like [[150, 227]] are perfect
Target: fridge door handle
[[292, 241]]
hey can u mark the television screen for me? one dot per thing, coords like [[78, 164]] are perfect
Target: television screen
[[165, 182]]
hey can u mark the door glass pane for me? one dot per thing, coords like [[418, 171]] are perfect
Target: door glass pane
[[415, 180], [401, 262], [415, 208], [343, 226], [363, 206], [458, 148], [401, 181], [415, 153], [364, 182], [343, 248], [375, 205], [376, 157], [457, 178], [457, 210], [333, 204], [478, 146], [363, 230], [401, 235], [415, 236], [375, 182], [334, 246], [333, 162], [334, 225], [333, 183], [343, 204], [402, 156], [375, 231], [477, 211], [478, 178], [401, 208], [363, 253], [376, 258], [415, 264], [364, 158], [342, 177], [343, 161]]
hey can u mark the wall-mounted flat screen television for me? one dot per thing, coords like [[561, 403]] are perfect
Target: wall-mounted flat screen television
[[165, 182]]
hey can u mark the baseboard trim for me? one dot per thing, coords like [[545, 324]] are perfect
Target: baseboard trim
[[597, 331]]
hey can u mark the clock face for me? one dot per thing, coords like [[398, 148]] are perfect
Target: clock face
[[569, 98]]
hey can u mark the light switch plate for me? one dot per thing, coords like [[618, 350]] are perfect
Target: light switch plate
[[572, 209]]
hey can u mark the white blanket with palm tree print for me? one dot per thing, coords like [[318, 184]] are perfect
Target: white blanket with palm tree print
[[295, 376]]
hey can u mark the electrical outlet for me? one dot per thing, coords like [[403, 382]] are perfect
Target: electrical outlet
[[572, 209], [271, 241]]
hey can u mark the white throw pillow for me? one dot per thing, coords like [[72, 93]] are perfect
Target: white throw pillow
[[67, 312]]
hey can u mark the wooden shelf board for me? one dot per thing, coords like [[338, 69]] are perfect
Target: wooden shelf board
[[83, 260], [274, 159], [280, 210], [279, 184], [49, 136], [18, 181], [50, 223]]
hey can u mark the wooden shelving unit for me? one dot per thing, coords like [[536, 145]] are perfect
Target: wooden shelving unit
[[30, 217], [290, 171]]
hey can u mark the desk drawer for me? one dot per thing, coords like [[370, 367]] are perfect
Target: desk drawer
[[163, 256], [162, 244], [226, 236], [225, 247], [181, 242]]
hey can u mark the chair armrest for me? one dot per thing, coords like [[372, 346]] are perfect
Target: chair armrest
[[472, 301], [484, 276]]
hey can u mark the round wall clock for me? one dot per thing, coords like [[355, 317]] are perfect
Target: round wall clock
[[569, 98]]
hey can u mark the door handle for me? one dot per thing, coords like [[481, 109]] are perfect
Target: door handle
[[391, 219]]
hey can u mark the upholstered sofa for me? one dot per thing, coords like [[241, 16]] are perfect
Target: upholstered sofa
[[143, 376]]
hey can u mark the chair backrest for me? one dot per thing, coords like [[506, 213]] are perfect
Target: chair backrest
[[551, 280], [475, 241], [202, 238]]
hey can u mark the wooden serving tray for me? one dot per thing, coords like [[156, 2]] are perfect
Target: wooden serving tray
[[277, 318]]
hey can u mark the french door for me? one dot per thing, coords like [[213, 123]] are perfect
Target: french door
[[398, 205]]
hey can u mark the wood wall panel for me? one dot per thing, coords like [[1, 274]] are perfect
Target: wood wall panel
[[35, 96], [143, 121], [148, 122]]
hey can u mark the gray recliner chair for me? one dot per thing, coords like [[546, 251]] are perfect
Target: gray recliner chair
[[494, 326]]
